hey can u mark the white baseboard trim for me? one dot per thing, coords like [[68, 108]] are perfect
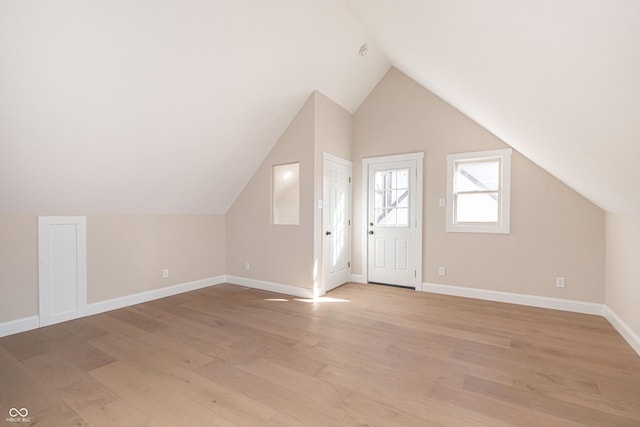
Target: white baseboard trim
[[19, 325], [126, 301], [623, 329], [358, 278], [271, 287], [513, 298]]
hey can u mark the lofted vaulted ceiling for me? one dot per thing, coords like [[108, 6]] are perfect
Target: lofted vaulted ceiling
[[559, 80], [140, 106], [169, 107]]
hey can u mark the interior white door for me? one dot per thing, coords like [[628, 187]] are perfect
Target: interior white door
[[336, 218], [62, 269], [392, 222]]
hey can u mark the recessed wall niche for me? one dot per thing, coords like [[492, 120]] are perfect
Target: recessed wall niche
[[285, 194]]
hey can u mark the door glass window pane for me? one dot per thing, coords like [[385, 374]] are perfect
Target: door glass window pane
[[379, 179], [403, 198], [391, 217], [403, 178], [379, 201], [391, 196], [392, 202], [403, 217]]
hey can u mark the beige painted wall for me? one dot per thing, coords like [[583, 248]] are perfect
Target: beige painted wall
[[554, 230], [18, 266], [125, 255], [333, 129], [623, 267], [277, 253], [333, 135]]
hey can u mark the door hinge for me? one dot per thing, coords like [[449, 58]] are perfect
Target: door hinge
[[349, 222], [349, 264], [415, 273], [349, 180]]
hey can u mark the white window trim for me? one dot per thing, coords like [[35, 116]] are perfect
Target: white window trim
[[503, 225]]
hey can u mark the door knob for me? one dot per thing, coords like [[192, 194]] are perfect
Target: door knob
[[371, 232], [328, 233]]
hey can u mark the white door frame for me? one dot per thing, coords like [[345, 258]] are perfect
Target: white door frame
[[419, 158], [349, 164], [44, 258]]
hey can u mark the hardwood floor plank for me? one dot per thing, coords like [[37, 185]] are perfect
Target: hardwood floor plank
[[315, 388], [20, 388], [59, 415], [23, 346], [500, 411], [372, 411], [134, 317], [387, 384], [584, 415], [83, 329], [49, 332], [120, 347], [119, 413], [293, 404], [282, 420], [68, 382], [80, 353], [290, 358], [157, 401], [236, 408], [199, 341]]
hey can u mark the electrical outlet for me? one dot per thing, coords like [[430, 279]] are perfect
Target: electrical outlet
[[442, 271], [560, 282], [442, 202], [247, 265], [165, 273]]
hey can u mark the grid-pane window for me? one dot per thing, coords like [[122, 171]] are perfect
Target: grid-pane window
[[391, 202], [478, 186]]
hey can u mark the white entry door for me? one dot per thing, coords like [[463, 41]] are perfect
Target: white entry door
[[336, 219], [63, 268], [393, 220]]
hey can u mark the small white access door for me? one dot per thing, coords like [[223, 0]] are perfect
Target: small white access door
[[336, 220], [62, 252], [394, 221]]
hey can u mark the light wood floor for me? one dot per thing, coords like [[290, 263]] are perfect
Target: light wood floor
[[232, 356]]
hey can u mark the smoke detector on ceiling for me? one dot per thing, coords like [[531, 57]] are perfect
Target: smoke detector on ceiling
[[363, 50]]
